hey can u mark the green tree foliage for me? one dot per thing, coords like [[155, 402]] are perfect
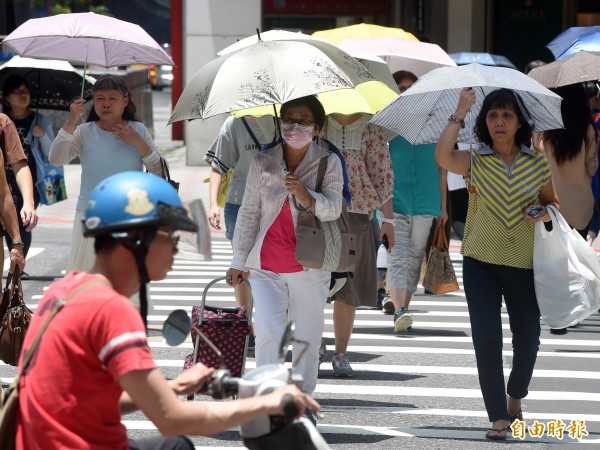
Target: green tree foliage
[[68, 6]]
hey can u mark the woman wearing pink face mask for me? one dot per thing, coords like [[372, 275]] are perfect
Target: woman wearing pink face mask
[[264, 241]]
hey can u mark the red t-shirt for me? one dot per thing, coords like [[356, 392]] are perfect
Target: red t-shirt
[[278, 251], [69, 397]]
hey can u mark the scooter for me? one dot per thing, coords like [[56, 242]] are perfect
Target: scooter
[[265, 432]]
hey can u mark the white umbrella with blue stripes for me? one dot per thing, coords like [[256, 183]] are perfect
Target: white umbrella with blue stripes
[[421, 113]]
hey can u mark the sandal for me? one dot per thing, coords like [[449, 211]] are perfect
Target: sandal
[[500, 434], [517, 416]]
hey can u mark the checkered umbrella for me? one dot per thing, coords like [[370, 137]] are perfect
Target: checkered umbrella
[[421, 113]]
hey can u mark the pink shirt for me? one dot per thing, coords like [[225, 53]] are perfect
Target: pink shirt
[[278, 252]]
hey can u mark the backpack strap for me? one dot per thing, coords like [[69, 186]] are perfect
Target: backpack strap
[[251, 133]]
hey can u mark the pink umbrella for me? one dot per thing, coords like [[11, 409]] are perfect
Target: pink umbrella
[[401, 54], [86, 38]]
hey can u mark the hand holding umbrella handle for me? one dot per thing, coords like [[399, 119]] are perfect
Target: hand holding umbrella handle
[[465, 101]]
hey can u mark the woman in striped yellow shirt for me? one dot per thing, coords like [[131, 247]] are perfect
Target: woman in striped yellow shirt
[[504, 177]]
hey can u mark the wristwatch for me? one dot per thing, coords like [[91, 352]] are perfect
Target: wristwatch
[[386, 220], [17, 244], [455, 119]]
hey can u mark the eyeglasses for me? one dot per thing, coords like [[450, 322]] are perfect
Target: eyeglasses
[[174, 238], [302, 123]]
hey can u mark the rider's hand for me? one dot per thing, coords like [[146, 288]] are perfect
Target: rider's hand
[[191, 380], [278, 399]]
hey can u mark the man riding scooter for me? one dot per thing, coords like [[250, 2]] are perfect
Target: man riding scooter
[[93, 362]]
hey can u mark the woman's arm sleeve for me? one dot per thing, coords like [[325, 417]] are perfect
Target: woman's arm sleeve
[[65, 147], [248, 220]]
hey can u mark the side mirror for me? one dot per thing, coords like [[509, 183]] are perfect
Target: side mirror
[[287, 338], [177, 327]]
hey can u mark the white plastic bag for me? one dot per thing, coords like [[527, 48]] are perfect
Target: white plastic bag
[[567, 273]]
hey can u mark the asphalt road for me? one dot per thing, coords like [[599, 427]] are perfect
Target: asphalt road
[[413, 391]]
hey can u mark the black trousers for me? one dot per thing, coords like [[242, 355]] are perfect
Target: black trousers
[[485, 286]]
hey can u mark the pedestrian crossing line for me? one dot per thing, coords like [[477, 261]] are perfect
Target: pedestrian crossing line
[[358, 323], [448, 392], [378, 350], [33, 251], [359, 313], [405, 411], [435, 433], [440, 433], [405, 369]]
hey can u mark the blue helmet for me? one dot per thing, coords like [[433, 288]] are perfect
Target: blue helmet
[[132, 200]]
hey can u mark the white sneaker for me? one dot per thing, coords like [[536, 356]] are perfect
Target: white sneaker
[[388, 305], [402, 321]]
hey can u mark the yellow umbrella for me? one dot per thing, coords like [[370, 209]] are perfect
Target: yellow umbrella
[[367, 97], [363, 30]]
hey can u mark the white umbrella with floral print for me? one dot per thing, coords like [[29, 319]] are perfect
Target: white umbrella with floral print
[[267, 73]]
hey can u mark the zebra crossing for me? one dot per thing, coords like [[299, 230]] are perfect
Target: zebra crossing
[[416, 390], [419, 389]]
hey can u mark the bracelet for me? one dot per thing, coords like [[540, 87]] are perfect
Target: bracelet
[[455, 119], [71, 123], [390, 221], [307, 208]]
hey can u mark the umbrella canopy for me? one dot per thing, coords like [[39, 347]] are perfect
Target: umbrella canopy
[[374, 64], [53, 84], [576, 68], [362, 30], [378, 68], [401, 54], [574, 40], [271, 35], [86, 38], [487, 59], [272, 72], [421, 113]]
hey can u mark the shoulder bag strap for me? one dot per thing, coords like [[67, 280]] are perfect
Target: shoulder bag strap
[[57, 307], [321, 173], [251, 133], [164, 169]]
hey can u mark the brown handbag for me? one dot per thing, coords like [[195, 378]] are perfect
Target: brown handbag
[[439, 274], [15, 319], [327, 245]]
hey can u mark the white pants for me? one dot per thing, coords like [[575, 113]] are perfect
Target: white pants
[[302, 295], [404, 262]]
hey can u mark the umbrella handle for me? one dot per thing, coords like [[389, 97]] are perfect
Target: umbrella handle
[[84, 70]]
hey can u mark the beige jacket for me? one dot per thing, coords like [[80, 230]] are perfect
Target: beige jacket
[[573, 180]]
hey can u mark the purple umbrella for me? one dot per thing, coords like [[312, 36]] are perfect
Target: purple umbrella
[[87, 38]]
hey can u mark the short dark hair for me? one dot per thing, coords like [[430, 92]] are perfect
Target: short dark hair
[[11, 84], [533, 65], [117, 83], [312, 103], [402, 74], [503, 98]]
